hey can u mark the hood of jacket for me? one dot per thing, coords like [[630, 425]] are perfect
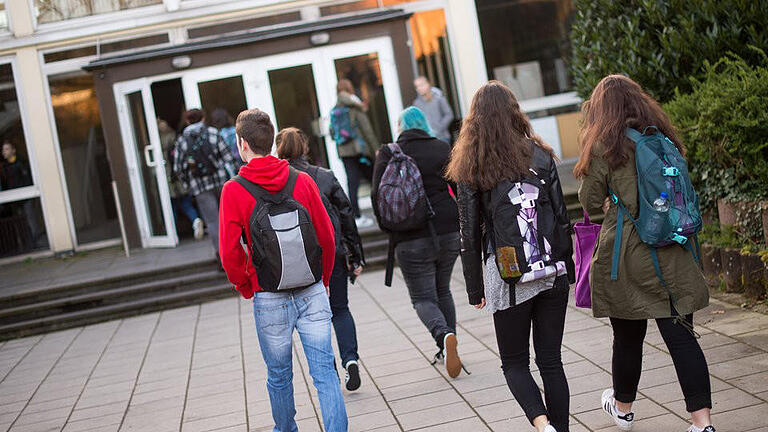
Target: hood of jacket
[[347, 99], [268, 172], [410, 135]]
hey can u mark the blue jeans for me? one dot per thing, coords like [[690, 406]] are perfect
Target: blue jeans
[[308, 311], [186, 204], [343, 323]]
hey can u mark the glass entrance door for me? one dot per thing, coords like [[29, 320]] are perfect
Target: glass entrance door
[[146, 164]]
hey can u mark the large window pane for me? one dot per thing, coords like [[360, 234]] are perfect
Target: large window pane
[[525, 43], [365, 74], [432, 52], [84, 156], [3, 16], [59, 10], [15, 170], [21, 227]]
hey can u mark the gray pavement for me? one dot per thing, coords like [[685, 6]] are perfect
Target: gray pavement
[[199, 369]]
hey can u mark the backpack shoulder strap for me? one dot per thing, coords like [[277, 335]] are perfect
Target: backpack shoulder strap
[[633, 134], [255, 190], [290, 185]]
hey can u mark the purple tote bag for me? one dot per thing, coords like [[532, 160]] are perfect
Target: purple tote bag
[[586, 238]]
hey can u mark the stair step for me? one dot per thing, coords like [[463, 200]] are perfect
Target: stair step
[[110, 295], [85, 286], [113, 311]]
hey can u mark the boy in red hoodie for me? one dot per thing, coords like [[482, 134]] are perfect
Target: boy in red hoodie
[[278, 313]]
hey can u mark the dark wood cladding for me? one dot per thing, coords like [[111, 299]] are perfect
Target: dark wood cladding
[[234, 26], [106, 77]]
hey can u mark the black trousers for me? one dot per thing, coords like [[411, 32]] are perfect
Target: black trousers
[[356, 171], [689, 361], [546, 311]]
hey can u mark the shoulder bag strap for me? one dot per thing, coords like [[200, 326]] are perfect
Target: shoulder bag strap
[[255, 190]]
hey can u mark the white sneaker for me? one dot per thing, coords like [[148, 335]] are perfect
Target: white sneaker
[[695, 428], [363, 221], [550, 428], [352, 375], [623, 421], [199, 228]]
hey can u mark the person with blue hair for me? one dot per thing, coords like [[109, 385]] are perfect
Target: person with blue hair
[[426, 268], [414, 118]]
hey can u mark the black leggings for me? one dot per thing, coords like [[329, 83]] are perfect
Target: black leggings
[[690, 364], [513, 328]]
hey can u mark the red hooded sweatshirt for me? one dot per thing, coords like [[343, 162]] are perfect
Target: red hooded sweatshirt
[[235, 213]]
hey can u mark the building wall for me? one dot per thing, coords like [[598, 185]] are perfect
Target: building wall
[[29, 41]]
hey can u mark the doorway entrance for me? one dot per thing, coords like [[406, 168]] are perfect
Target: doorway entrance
[[296, 89]]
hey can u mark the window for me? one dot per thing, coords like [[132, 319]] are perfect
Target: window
[[22, 228], [525, 43], [60, 10], [84, 157], [3, 16], [432, 53]]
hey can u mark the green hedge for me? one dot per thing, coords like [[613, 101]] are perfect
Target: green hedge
[[661, 43], [723, 123]]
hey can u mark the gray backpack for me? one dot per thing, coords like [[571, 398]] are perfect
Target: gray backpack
[[284, 247]]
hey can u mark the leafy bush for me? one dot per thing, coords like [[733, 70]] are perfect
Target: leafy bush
[[723, 123], [660, 44]]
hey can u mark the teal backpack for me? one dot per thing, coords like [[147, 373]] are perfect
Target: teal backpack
[[669, 207]]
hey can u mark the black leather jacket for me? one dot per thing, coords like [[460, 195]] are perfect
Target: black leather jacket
[[474, 218], [339, 210]]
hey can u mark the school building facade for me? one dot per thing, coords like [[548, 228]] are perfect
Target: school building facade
[[84, 83]]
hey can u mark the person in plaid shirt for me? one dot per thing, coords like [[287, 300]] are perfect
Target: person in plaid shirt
[[203, 162]]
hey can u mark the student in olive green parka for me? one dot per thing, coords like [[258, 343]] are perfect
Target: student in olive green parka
[[608, 161]]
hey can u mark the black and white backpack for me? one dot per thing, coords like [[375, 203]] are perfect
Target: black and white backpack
[[284, 247]]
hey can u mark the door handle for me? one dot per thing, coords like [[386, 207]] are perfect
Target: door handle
[[147, 158]]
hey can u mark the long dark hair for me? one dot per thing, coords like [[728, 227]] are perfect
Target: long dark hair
[[493, 144], [616, 103]]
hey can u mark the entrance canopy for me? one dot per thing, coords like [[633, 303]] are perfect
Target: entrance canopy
[[250, 37]]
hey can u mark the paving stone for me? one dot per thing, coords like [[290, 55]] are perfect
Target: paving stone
[[435, 416], [424, 401]]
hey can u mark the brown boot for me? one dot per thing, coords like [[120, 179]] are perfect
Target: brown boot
[[452, 361]]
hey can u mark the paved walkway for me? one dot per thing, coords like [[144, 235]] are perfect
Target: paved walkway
[[199, 369]]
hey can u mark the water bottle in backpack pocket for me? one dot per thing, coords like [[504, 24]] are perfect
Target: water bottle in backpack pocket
[[284, 248], [668, 204]]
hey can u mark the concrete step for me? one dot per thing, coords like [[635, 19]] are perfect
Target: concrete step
[[99, 297], [103, 283], [123, 309]]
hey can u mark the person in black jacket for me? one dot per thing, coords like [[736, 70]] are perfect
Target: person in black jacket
[[292, 146], [516, 246], [426, 268]]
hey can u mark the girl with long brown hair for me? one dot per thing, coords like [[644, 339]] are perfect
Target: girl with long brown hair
[[608, 161], [516, 246]]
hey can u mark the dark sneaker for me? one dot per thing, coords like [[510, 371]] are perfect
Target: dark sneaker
[[352, 375], [622, 420]]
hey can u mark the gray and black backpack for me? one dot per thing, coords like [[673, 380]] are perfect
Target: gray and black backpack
[[284, 247]]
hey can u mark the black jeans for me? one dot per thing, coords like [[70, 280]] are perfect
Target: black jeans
[[343, 323], [690, 364], [355, 172], [427, 273], [513, 328]]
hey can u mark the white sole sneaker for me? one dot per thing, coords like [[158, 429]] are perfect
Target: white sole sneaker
[[198, 228], [623, 421], [352, 375]]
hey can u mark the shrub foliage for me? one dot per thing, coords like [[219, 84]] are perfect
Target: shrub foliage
[[660, 43]]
